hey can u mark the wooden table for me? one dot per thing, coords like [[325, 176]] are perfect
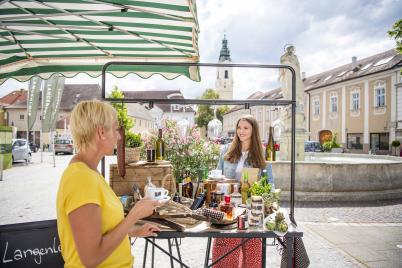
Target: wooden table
[[204, 230]]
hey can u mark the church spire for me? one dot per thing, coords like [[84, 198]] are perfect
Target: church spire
[[225, 52]]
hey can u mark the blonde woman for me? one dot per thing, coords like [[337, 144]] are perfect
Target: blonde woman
[[91, 225]]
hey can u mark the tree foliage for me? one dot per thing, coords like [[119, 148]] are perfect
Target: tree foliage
[[205, 113], [396, 33], [121, 108]]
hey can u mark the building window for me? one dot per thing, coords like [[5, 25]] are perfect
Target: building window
[[354, 141], [226, 74], [379, 94], [379, 141], [355, 99], [334, 103], [316, 104], [21, 117]]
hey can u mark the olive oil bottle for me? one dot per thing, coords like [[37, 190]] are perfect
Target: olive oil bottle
[[270, 149], [160, 146], [244, 188]]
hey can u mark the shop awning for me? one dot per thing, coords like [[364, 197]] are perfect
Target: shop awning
[[43, 37]]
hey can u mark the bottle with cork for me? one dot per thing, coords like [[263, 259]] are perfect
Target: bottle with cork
[[227, 207]]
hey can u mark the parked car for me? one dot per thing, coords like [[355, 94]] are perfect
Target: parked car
[[20, 150], [34, 148], [313, 146], [63, 146]]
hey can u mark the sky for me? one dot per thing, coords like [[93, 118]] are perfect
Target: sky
[[326, 34]]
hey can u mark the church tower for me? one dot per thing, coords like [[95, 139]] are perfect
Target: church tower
[[224, 78]]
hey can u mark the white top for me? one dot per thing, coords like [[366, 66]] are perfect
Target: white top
[[240, 165]]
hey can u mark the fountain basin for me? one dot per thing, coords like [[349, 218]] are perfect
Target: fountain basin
[[341, 177]]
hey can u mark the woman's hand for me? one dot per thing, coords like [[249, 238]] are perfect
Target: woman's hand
[[143, 208], [144, 231]]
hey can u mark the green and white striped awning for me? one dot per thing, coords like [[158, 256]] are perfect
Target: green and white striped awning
[[43, 37]]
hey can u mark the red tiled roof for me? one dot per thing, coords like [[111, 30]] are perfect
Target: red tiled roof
[[13, 97]]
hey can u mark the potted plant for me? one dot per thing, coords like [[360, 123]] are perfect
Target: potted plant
[[395, 144], [332, 145], [133, 144]]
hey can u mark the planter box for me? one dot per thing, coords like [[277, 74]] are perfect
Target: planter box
[[161, 177], [337, 150]]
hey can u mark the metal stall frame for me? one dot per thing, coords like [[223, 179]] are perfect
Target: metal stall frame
[[247, 103]]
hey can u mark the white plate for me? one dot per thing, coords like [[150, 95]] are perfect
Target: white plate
[[216, 178], [272, 216]]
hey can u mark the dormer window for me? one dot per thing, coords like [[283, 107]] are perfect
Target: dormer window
[[366, 66], [342, 73], [384, 61]]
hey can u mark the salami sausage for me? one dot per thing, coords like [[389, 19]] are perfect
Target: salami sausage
[[121, 154]]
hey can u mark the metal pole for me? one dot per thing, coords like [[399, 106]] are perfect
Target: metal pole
[[293, 150], [1, 166], [27, 150], [222, 102], [52, 142], [41, 125]]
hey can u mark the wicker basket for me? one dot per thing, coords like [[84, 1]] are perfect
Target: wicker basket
[[132, 154]]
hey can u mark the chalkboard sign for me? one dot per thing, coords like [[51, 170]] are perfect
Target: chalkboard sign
[[31, 244]]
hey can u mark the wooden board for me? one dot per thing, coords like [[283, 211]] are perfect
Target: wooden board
[[252, 174], [161, 176]]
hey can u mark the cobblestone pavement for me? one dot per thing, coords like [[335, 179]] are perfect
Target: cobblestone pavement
[[28, 194], [361, 212], [321, 254]]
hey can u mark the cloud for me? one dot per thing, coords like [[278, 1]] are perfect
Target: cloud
[[326, 35]]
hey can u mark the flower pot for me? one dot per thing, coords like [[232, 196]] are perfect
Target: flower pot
[[132, 154]]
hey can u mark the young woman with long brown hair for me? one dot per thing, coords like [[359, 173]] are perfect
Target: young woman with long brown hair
[[245, 151]]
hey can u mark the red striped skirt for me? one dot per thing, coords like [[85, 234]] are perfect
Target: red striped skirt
[[248, 255]]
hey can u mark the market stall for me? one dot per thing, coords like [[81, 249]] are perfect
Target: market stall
[[210, 232]]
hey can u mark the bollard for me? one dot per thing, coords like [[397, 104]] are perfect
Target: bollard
[[1, 167]]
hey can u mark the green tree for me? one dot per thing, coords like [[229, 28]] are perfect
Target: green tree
[[205, 113], [121, 109], [396, 33]]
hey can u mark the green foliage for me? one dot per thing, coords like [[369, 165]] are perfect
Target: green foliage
[[205, 113], [260, 187], [395, 143], [328, 145], [191, 152], [121, 108], [396, 33], [133, 140]]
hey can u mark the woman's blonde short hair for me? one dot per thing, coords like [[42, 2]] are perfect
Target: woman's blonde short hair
[[86, 117]]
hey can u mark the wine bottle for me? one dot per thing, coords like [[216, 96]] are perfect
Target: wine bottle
[[270, 149], [160, 147], [236, 196], [244, 188]]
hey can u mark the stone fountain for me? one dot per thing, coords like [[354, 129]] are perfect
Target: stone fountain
[[285, 78], [328, 176]]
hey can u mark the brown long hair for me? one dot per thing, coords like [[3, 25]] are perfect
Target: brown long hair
[[255, 154]]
